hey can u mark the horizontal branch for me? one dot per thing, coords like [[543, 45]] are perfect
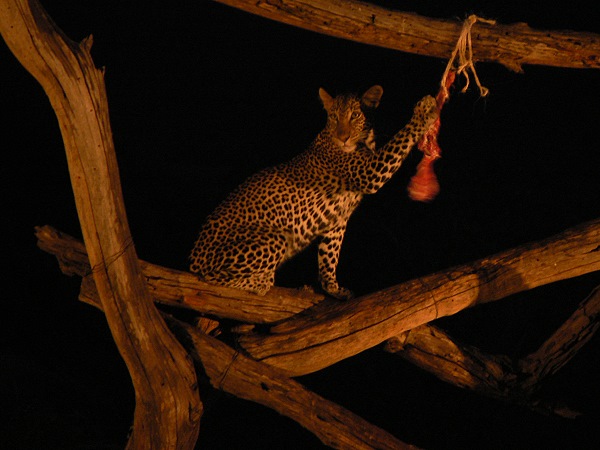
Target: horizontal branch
[[236, 374], [331, 331], [182, 289], [328, 335], [509, 45]]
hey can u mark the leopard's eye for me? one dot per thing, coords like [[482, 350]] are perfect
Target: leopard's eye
[[355, 115]]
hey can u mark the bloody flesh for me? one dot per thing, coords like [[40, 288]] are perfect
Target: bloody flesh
[[424, 185]]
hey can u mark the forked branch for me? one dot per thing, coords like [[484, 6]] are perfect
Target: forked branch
[[497, 376]]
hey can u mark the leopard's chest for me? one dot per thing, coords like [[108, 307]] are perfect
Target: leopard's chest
[[318, 213]]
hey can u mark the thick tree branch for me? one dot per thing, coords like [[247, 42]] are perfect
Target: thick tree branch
[[330, 334], [168, 407], [245, 378], [509, 45], [374, 318], [182, 289], [497, 376], [232, 372]]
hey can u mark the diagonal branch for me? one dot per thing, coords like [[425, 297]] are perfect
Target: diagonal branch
[[509, 45], [245, 378], [168, 407], [330, 334], [564, 344], [497, 376], [314, 336]]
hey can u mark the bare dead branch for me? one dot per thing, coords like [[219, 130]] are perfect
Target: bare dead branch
[[564, 344], [509, 45], [232, 372], [175, 288], [239, 375], [330, 334], [461, 365], [168, 407]]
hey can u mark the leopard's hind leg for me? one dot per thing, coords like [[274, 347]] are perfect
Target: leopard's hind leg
[[248, 262]]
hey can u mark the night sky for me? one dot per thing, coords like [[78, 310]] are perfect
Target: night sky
[[201, 96]]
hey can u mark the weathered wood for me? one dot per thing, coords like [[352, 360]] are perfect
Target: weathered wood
[[239, 375], [564, 344], [327, 335], [497, 376], [509, 45], [175, 288], [168, 408], [569, 254], [458, 364], [232, 372]]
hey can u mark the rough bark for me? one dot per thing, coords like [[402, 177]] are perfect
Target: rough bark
[[510, 45], [182, 289], [497, 376], [168, 407], [245, 378], [330, 334], [368, 321], [232, 372]]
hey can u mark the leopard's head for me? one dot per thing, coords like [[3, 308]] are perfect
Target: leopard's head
[[346, 121]]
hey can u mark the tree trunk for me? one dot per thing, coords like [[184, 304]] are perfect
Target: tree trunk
[[509, 45], [168, 407]]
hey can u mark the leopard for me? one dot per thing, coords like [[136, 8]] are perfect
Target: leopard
[[281, 210]]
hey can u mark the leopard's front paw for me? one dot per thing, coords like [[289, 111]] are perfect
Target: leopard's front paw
[[427, 111]]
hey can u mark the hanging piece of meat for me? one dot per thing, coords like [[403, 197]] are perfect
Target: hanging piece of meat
[[424, 186]]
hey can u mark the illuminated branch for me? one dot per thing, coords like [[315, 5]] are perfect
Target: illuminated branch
[[509, 45], [168, 407]]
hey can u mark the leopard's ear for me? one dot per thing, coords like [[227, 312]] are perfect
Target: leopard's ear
[[370, 99], [326, 99]]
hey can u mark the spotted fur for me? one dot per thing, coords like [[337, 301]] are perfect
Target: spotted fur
[[279, 211]]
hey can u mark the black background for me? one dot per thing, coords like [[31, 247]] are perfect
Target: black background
[[202, 95]]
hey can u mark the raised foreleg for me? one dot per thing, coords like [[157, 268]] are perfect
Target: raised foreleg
[[369, 174]]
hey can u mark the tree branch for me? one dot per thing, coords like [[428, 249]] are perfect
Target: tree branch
[[497, 376], [239, 375], [368, 321], [509, 45], [168, 407], [559, 348], [182, 289], [330, 334]]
